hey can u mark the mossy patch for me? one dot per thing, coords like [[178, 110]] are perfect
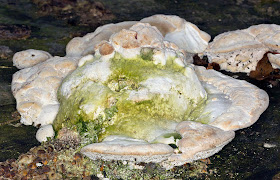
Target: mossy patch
[[97, 110], [147, 54], [138, 69]]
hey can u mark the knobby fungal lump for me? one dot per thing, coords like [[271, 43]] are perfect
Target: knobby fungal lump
[[29, 58], [129, 93], [45, 132], [185, 35], [35, 89], [81, 46]]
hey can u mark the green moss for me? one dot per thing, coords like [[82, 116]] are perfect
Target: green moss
[[196, 114], [175, 135], [138, 69], [122, 169], [170, 63], [133, 70], [140, 120], [72, 109], [97, 110], [147, 54]]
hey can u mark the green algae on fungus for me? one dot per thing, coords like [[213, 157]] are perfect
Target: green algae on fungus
[[134, 97], [140, 68]]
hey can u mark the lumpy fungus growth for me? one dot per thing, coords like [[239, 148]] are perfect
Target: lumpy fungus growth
[[135, 97], [129, 91]]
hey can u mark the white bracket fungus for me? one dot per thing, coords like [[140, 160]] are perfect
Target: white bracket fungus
[[35, 89], [185, 35], [241, 50], [194, 110]]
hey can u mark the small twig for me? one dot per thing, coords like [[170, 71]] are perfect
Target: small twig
[[9, 121], [15, 117]]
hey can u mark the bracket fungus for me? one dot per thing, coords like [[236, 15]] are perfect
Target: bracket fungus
[[130, 94], [35, 89], [241, 50], [185, 35]]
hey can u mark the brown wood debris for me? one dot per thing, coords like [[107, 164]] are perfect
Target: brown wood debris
[[264, 70], [204, 62]]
